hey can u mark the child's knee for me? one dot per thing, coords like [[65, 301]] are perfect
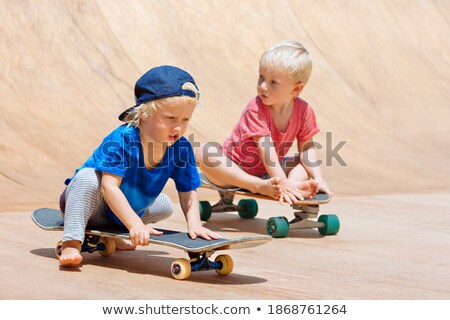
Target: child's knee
[[87, 178], [161, 209], [290, 162], [153, 217]]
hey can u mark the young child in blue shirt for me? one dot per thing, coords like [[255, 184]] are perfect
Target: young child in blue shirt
[[121, 182]]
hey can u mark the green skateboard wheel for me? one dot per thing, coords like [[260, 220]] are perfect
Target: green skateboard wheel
[[278, 227], [251, 208], [205, 210], [331, 222]]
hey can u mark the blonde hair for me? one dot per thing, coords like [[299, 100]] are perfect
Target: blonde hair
[[133, 118], [291, 57]]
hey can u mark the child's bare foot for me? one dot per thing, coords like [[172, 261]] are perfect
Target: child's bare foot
[[70, 254], [308, 189], [270, 187], [123, 245]]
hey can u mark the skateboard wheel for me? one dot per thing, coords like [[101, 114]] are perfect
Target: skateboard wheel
[[205, 210], [227, 264], [180, 269], [110, 246], [58, 249], [278, 227], [331, 222], [251, 208]]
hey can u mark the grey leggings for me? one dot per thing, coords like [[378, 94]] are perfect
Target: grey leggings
[[85, 206]]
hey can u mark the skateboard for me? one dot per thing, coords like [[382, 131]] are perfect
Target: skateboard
[[278, 227], [199, 250]]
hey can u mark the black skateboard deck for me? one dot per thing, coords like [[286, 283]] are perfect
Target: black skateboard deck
[[100, 239]]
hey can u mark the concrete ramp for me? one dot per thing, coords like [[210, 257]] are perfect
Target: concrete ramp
[[380, 85], [380, 81]]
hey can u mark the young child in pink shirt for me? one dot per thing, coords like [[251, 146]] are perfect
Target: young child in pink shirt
[[254, 156]]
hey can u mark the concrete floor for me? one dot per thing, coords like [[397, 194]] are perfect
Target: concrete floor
[[389, 247]]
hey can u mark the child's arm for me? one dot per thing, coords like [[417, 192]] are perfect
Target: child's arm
[[269, 157], [190, 207], [311, 163], [116, 200]]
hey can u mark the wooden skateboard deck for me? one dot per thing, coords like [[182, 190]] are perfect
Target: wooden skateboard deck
[[98, 239]]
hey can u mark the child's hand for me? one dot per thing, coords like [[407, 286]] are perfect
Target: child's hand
[[308, 188], [289, 192], [323, 186], [202, 232], [140, 234]]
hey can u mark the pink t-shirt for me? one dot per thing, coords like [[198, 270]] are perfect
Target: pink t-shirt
[[256, 121]]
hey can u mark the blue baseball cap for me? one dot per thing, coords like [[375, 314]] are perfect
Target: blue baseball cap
[[159, 83]]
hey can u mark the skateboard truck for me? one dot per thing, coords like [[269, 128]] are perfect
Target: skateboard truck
[[328, 224], [303, 217], [104, 245], [199, 261], [225, 204], [246, 208]]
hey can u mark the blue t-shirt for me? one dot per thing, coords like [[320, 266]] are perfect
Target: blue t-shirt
[[121, 154]]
